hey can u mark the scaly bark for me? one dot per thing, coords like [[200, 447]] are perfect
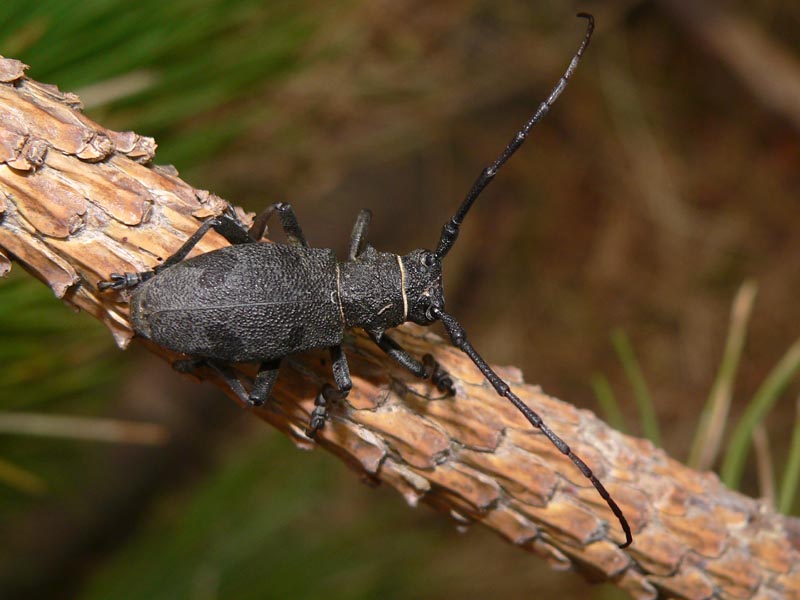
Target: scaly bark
[[80, 201]]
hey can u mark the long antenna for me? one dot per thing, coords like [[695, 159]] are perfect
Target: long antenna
[[459, 337], [451, 228]]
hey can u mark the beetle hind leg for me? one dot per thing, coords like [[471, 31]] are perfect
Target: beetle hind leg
[[226, 224], [123, 281]]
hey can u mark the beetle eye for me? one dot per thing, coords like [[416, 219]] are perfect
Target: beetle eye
[[429, 311], [427, 260]]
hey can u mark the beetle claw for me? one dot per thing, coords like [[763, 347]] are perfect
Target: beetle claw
[[255, 401], [314, 426], [116, 281], [123, 281], [445, 384]]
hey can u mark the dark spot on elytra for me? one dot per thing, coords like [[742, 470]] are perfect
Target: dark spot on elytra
[[295, 337], [212, 278], [222, 338]]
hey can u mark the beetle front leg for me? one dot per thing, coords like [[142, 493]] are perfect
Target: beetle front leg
[[330, 394], [429, 368], [438, 376]]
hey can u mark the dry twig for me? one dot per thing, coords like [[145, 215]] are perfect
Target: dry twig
[[79, 201]]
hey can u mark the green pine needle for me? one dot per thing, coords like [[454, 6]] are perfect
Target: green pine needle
[[708, 437], [763, 400], [608, 402], [791, 475], [641, 393], [21, 479]]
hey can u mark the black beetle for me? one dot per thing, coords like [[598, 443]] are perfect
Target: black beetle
[[261, 302]]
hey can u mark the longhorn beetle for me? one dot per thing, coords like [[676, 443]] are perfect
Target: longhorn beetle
[[260, 302]]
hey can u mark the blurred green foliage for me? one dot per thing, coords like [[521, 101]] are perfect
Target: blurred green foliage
[[257, 529], [758, 407], [196, 58], [52, 355], [53, 360]]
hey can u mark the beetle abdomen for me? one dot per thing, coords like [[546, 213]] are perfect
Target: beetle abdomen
[[251, 302]]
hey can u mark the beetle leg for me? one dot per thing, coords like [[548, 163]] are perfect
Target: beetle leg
[[330, 394], [226, 225], [289, 223], [265, 379], [262, 386], [429, 368], [123, 281], [359, 236], [341, 370], [230, 378], [320, 412], [440, 378], [223, 370]]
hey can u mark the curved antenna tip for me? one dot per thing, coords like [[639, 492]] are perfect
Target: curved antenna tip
[[451, 228], [627, 529]]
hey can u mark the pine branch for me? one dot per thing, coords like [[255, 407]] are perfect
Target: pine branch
[[80, 201]]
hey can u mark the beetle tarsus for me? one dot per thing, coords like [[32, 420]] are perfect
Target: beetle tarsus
[[255, 401], [438, 376], [320, 413], [123, 281], [327, 396]]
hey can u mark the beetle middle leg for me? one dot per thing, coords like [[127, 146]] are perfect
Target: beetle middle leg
[[359, 236], [289, 222], [429, 368], [330, 394], [265, 380]]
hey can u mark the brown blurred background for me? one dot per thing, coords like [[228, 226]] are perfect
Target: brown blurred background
[[664, 178]]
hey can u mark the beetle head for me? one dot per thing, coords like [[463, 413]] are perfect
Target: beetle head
[[422, 285]]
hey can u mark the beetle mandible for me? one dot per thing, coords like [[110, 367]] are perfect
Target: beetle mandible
[[260, 302]]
